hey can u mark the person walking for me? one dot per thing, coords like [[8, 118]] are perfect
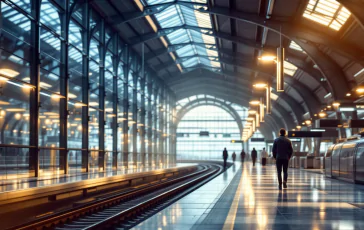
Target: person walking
[[254, 156], [282, 152], [242, 156], [225, 156], [264, 157], [234, 156]]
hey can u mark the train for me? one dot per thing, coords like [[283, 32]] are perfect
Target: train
[[345, 161]]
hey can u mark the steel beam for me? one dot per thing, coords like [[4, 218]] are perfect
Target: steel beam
[[34, 93]]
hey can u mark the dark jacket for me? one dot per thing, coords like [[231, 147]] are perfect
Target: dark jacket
[[225, 154], [254, 154], [242, 154], [282, 148]]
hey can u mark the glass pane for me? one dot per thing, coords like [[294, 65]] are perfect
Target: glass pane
[[74, 125], [49, 120], [49, 16], [49, 162], [94, 129], [14, 164], [14, 113]]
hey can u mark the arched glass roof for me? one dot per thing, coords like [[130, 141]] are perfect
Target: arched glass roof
[[193, 33]]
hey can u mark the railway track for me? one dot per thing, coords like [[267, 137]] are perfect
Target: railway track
[[126, 209]]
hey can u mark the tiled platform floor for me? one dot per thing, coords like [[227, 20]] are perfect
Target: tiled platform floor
[[247, 198]]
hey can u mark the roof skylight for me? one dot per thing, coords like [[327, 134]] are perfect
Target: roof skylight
[[327, 12], [180, 15], [289, 68], [295, 46]]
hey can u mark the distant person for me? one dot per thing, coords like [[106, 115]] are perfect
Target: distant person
[[282, 152], [264, 157], [254, 156], [225, 156], [234, 156], [242, 156]]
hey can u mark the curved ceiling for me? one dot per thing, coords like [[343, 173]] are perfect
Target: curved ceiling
[[212, 47]]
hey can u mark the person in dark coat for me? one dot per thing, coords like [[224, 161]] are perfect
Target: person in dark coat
[[254, 156], [225, 156], [282, 152], [234, 156], [242, 156]]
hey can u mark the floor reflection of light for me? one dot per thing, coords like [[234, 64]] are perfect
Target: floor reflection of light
[[322, 215], [315, 195], [262, 218], [164, 220], [299, 199]]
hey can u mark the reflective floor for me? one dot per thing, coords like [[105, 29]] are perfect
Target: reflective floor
[[247, 197], [26, 183]]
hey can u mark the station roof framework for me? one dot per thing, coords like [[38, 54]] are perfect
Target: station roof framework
[[212, 46]]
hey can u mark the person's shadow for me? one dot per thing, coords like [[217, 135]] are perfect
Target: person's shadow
[[282, 196], [234, 168]]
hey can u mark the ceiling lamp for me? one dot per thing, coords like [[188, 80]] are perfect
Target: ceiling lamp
[[9, 73], [260, 85], [267, 58], [280, 69], [322, 114], [360, 90], [308, 122], [252, 112], [336, 104], [254, 102]]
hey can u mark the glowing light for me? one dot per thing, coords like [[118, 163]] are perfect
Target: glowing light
[[252, 112], [322, 114], [336, 104], [360, 90], [15, 110], [17, 116], [255, 102], [9, 73], [267, 58], [308, 122], [260, 85], [4, 103]]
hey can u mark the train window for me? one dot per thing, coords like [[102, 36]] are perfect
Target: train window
[[337, 149], [347, 149], [329, 151]]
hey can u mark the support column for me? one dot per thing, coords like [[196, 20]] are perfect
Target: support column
[[354, 116], [142, 120], [102, 95], [34, 93], [150, 128], [135, 119], [342, 133], [155, 127], [115, 105], [161, 110], [64, 77], [126, 107], [85, 87]]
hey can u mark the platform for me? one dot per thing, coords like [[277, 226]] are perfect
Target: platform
[[247, 197], [31, 189]]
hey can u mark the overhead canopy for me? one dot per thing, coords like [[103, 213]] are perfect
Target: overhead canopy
[[212, 46]]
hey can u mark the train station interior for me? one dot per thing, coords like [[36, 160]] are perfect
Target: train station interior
[[114, 114]]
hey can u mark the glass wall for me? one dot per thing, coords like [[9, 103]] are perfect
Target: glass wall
[[221, 128], [80, 109]]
